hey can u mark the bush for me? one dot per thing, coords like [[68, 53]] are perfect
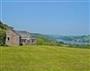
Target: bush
[[2, 37]]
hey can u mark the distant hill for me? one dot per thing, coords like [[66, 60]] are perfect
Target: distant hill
[[83, 39], [45, 39]]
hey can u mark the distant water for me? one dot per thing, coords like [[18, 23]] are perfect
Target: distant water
[[72, 42]]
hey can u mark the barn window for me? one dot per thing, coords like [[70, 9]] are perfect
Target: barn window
[[23, 40], [8, 38], [33, 40]]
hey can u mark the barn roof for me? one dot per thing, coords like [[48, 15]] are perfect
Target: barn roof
[[24, 34]]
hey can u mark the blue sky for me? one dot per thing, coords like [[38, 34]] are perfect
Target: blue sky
[[58, 18]]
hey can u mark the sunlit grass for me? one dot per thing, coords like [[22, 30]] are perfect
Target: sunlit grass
[[44, 58]]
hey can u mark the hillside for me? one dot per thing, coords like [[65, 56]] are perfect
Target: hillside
[[4, 26], [44, 39]]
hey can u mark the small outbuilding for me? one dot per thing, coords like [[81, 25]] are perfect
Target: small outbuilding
[[19, 38]]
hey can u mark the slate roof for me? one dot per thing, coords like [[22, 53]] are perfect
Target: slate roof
[[24, 34]]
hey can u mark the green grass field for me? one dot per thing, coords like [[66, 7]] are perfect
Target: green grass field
[[44, 58]]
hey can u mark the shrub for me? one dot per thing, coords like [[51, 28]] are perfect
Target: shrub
[[2, 37]]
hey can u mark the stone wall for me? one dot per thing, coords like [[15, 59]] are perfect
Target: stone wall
[[12, 38]]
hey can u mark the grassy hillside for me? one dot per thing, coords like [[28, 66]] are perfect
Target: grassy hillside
[[44, 58]]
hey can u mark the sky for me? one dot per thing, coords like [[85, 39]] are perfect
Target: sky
[[57, 17]]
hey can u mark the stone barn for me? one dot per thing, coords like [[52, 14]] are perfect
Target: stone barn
[[19, 38]]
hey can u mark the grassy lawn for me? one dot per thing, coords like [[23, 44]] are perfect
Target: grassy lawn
[[44, 58]]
